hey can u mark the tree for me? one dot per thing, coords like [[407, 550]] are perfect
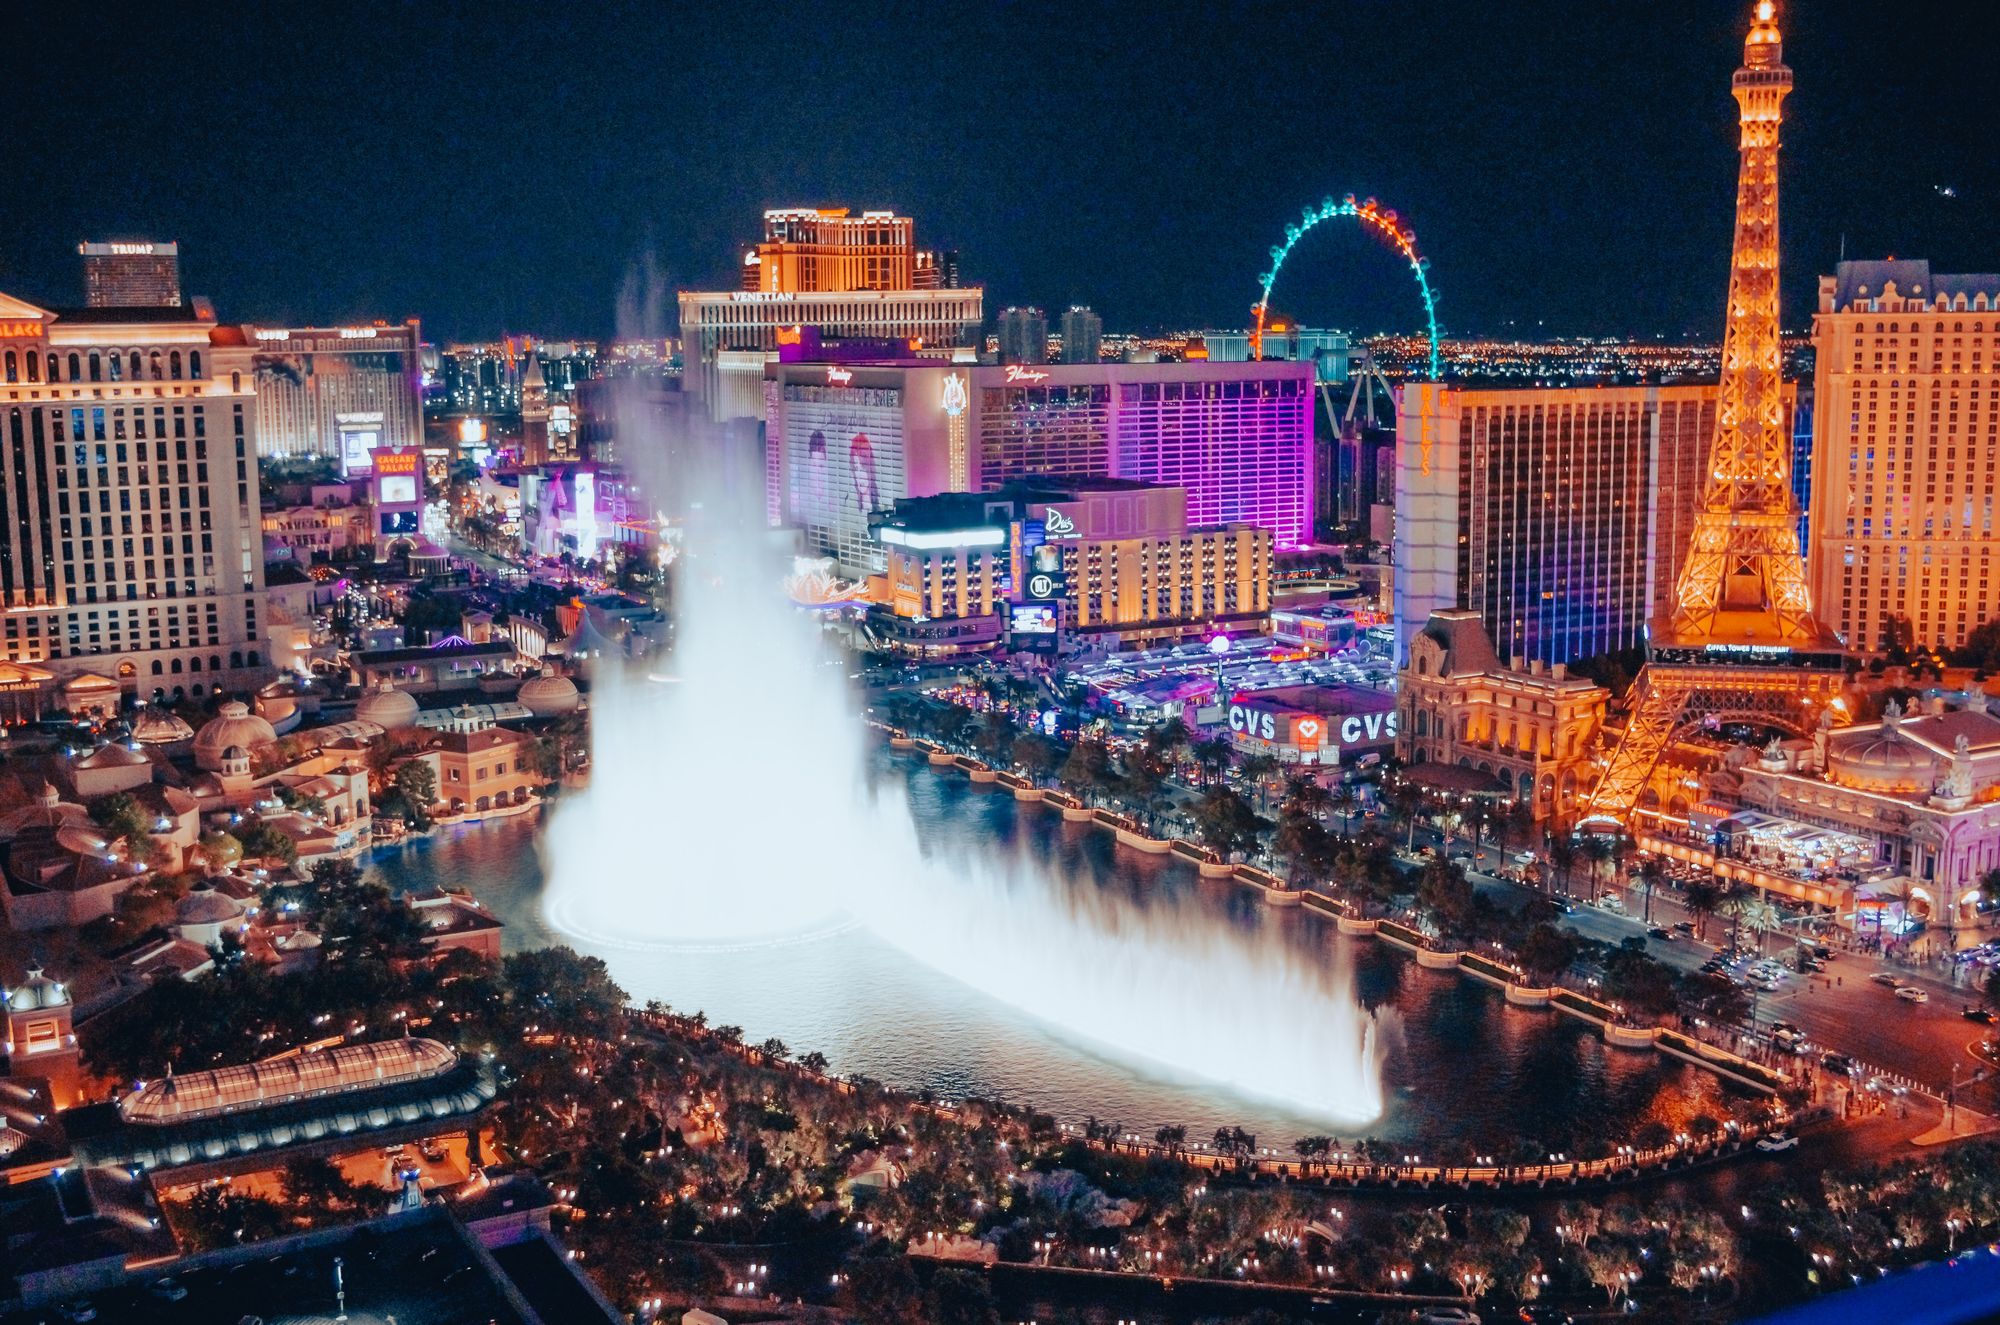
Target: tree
[[1562, 861], [1172, 1139], [318, 1184], [1212, 756], [1702, 897], [1087, 770], [1226, 822], [1036, 756], [417, 780], [1257, 770], [1993, 988], [1652, 873], [1546, 953], [1445, 896], [959, 1297], [220, 851], [1715, 997], [813, 1061], [124, 821], [264, 842]]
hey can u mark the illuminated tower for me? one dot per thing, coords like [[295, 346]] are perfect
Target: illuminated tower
[[1741, 643]]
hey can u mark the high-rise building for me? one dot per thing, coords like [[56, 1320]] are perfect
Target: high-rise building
[[1082, 335], [131, 555], [131, 273], [1024, 335], [1560, 515], [845, 277], [1742, 643], [845, 441], [337, 392], [824, 250], [1092, 562], [1904, 451]]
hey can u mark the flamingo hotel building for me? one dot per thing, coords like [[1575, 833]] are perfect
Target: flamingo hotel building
[[844, 442]]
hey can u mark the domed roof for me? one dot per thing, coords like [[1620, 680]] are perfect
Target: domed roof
[[82, 839], [1880, 761], [37, 991], [233, 725], [158, 726], [205, 906], [112, 756], [276, 708], [388, 708], [548, 696]]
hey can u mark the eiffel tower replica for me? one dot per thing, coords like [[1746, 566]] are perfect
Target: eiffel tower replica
[[1741, 643]]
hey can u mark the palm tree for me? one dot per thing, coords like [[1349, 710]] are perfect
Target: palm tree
[[1212, 756], [1651, 875], [1171, 1139], [1598, 850], [1257, 770], [1761, 917], [1703, 898], [1347, 800], [1735, 901], [1562, 859]]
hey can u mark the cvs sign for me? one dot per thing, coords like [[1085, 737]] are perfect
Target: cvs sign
[[1365, 727]]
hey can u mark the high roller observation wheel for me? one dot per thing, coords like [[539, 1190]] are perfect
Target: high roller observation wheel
[[1372, 216]]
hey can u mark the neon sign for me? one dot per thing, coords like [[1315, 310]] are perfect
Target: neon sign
[[132, 250], [10, 329], [1016, 373], [838, 377], [390, 462], [1057, 525], [791, 335]]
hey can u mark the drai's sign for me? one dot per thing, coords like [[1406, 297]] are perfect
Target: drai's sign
[[1057, 525]]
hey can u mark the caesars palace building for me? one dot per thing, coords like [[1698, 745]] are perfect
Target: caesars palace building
[[131, 556]]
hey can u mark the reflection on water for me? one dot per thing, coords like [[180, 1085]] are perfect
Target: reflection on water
[[1461, 1068]]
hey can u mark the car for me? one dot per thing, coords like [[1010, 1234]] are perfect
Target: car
[[432, 1151], [1812, 964], [1979, 1014], [1610, 902], [1833, 1062], [167, 1290], [1662, 933], [1449, 1316], [1776, 1142], [1685, 927], [78, 1311], [1912, 994], [1885, 978]]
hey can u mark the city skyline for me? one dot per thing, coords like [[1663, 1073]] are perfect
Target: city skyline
[[485, 205]]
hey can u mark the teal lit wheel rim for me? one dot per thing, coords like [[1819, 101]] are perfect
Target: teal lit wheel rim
[[1372, 216]]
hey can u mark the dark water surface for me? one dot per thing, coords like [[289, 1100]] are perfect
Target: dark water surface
[[1462, 1070]]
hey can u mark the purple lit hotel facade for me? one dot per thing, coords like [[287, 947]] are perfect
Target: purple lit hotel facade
[[844, 441]]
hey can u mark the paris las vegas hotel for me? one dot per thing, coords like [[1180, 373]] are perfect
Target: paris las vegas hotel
[[131, 562]]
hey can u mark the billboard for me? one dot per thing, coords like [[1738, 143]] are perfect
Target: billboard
[[1033, 619], [360, 434]]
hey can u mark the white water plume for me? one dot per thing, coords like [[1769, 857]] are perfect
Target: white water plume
[[729, 804]]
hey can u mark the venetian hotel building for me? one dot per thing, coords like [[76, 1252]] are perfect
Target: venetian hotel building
[[130, 548]]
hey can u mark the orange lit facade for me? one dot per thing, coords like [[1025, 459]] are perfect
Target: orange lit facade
[[1906, 439], [819, 250], [1742, 643]]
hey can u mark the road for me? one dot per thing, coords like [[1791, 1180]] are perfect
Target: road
[[1840, 1009]]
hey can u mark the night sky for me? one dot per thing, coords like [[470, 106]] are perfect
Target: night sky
[[500, 167]]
